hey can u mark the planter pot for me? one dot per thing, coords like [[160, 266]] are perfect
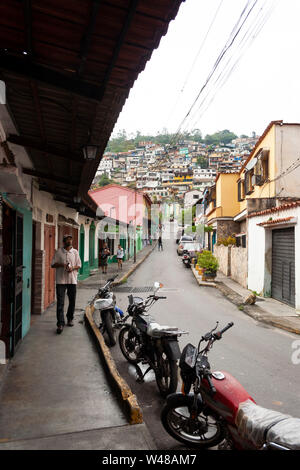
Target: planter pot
[[209, 276]]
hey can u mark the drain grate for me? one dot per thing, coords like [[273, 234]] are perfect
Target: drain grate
[[132, 290]]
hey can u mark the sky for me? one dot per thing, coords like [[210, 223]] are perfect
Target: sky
[[256, 81]]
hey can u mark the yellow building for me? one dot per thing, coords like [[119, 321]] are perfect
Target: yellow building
[[221, 206]]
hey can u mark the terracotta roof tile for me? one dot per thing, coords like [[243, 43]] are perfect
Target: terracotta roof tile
[[276, 221], [284, 207]]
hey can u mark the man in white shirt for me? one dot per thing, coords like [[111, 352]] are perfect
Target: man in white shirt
[[66, 261]]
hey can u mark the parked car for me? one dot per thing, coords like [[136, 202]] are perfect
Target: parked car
[[183, 240], [180, 232]]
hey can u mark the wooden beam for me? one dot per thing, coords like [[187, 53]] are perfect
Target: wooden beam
[[45, 176], [25, 66], [120, 42], [28, 25], [87, 37], [41, 147], [37, 106]]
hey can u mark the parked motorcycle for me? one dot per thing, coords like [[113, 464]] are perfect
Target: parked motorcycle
[[105, 302], [220, 411], [186, 259], [145, 341]]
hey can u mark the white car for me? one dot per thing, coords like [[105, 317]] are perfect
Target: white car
[[183, 240], [179, 233]]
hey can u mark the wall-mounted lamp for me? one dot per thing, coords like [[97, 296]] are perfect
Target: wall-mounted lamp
[[90, 151]]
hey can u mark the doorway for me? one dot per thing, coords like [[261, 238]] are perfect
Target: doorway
[[12, 279], [49, 247]]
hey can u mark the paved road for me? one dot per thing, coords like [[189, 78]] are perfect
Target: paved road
[[259, 356]]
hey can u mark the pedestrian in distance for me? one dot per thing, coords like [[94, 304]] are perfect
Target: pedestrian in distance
[[67, 262], [103, 258], [160, 245], [120, 256]]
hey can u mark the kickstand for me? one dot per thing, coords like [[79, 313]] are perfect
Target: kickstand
[[141, 376]]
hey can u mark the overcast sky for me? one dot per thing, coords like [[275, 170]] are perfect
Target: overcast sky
[[263, 86]]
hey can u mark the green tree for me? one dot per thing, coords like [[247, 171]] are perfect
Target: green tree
[[222, 137], [104, 180], [202, 161]]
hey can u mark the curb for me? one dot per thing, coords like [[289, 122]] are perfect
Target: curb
[[253, 311], [200, 282], [123, 390], [125, 276]]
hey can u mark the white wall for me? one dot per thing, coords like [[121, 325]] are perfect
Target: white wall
[[43, 204], [287, 152]]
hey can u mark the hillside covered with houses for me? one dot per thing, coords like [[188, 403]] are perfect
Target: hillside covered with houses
[[166, 171]]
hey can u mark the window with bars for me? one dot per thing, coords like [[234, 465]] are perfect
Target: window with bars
[[241, 240]]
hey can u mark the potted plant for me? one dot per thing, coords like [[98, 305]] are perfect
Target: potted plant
[[209, 263]]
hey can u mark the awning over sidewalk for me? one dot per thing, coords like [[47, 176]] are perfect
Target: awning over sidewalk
[[68, 69]]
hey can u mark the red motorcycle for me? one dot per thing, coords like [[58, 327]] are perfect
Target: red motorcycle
[[220, 411]]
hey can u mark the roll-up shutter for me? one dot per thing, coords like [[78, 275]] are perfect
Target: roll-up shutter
[[283, 265]]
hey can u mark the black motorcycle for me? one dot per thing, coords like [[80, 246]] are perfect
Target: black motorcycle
[[145, 341], [186, 259]]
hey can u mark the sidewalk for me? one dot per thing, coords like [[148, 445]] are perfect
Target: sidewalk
[[266, 310], [56, 394], [97, 278]]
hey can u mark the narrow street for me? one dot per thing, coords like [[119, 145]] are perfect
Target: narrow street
[[259, 356]]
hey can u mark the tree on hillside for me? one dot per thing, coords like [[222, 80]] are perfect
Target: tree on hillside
[[202, 161], [104, 180], [221, 137]]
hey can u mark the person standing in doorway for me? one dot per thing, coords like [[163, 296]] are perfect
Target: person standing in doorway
[[120, 256], [103, 257], [67, 262]]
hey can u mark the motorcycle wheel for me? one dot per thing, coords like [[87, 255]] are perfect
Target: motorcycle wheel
[[109, 329], [166, 374], [207, 432], [130, 344]]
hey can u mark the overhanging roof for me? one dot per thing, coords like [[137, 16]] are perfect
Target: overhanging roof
[[68, 67]]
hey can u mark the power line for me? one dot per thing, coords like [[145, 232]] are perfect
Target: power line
[[195, 59], [251, 33], [244, 44], [236, 30]]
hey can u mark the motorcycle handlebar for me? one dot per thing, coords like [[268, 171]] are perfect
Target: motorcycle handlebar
[[219, 334]]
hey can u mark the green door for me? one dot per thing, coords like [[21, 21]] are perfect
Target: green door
[[92, 245], [81, 248]]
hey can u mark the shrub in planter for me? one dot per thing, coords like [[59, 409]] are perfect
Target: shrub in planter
[[209, 263]]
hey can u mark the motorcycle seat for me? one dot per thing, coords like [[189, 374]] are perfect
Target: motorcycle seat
[[261, 425], [156, 330]]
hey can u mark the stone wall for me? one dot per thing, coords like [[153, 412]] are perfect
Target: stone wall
[[222, 253], [239, 265], [233, 263], [227, 228]]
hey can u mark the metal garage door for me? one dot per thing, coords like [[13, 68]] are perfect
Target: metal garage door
[[283, 265]]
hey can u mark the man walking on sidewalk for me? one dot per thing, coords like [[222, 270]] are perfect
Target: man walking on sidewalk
[[66, 261]]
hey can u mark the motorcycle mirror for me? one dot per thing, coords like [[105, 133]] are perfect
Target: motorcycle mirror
[[157, 285]]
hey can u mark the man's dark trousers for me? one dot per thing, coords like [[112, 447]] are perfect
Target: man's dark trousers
[[60, 296]]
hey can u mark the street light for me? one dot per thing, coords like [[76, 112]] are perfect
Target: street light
[[90, 151]]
